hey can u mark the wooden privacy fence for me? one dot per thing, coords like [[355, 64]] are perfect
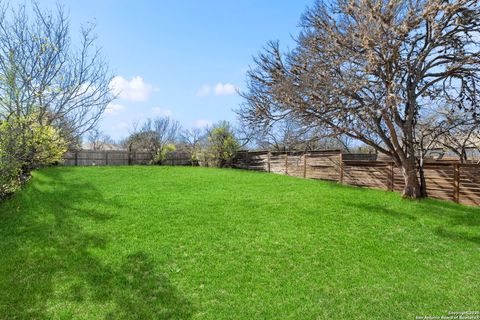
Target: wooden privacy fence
[[444, 180], [121, 158]]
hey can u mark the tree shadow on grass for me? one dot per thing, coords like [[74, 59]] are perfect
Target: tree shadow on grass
[[144, 294], [459, 223], [449, 220], [457, 235], [48, 270], [386, 211]]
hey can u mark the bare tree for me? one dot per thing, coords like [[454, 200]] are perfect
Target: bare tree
[[289, 134], [372, 70], [98, 140], [462, 139], [41, 72], [131, 142], [94, 137], [159, 132], [154, 135], [286, 135], [193, 140], [50, 91], [457, 132]]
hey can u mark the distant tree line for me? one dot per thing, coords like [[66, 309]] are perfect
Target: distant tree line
[[217, 145], [213, 146]]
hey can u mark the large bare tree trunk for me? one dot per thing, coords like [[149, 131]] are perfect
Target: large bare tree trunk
[[423, 182], [412, 188]]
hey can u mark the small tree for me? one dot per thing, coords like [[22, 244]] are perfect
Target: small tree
[[50, 92], [42, 73], [222, 145]]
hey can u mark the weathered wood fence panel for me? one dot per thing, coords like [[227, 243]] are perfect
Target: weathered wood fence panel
[[324, 165], [178, 158], [368, 174], [252, 161], [468, 189], [277, 163], [295, 164], [121, 158], [445, 180], [439, 179]]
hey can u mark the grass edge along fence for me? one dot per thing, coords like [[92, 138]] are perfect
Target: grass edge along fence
[[445, 180]]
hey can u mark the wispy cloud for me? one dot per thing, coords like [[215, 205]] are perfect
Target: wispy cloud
[[220, 89], [204, 91], [135, 89], [114, 109], [224, 89], [162, 112]]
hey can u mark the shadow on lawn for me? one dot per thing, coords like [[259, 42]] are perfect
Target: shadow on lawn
[[46, 258], [386, 211], [461, 223], [450, 220]]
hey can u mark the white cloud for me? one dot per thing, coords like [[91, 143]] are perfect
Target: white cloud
[[224, 89], [200, 124], [134, 90], [162, 112], [204, 91], [114, 109], [220, 89]]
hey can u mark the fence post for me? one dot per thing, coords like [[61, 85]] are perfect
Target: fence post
[[305, 165], [456, 182], [106, 157], [341, 168], [269, 154], [76, 158], [391, 178], [286, 163]]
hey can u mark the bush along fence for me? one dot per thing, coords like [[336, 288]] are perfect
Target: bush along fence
[[122, 158], [445, 180]]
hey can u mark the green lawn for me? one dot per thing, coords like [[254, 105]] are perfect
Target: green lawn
[[178, 243]]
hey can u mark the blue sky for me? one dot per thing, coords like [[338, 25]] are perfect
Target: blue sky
[[182, 59]]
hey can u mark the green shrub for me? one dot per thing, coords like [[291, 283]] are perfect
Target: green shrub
[[25, 145], [161, 153], [10, 175], [222, 145]]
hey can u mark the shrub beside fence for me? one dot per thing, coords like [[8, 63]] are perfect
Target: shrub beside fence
[[445, 180]]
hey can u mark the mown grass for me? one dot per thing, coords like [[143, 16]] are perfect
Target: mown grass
[[179, 243]]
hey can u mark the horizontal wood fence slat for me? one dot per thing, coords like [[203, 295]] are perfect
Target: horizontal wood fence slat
[[446, 180], [122, 158]]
